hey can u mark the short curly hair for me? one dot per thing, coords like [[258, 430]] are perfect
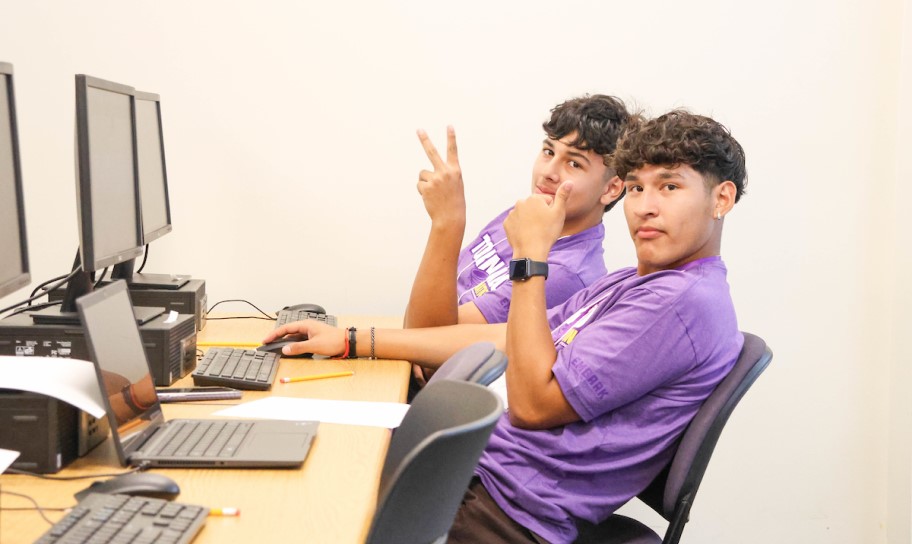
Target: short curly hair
[[683, 138], [598, 121]]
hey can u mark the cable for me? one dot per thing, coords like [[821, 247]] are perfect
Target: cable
[[101, 277], [239, 300], [38, 507], [141, 467], [40, 285], [241, 317], [145, 256], [30, 299], [36, 307]]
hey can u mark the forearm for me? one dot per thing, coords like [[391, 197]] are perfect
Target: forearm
[[432, 302], [429, 347], [535, 397], [530, 351]]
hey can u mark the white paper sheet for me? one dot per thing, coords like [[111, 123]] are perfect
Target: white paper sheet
[[70, 380], [372, 414], [6, 459], [499, 386]]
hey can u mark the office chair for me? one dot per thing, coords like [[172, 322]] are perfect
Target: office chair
[[479, 363], [430, 462], [672, 492]]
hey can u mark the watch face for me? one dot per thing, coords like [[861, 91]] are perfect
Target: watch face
[[519, 269]]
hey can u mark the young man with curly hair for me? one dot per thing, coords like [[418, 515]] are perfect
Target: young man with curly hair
[[472, 285], [600, 388]]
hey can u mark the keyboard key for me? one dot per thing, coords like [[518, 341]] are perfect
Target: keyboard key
[[100, 518], [290, 316], [237, 368]]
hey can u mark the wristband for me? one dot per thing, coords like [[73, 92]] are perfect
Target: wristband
[[128, 400], [372, 344], [352, 343], [344, 354]]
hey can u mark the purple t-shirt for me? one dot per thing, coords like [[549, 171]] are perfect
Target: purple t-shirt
[[483, 268], [637, 356]]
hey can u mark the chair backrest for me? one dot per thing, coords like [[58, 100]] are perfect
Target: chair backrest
[[430, 461], [479, 363], [672, 493]]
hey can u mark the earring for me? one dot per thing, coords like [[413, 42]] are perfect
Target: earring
[[718, 216]]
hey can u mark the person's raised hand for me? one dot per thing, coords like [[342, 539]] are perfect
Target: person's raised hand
[[442, 189], [535, 223]]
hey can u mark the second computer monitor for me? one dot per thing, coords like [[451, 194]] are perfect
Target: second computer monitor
[[14, 266], [153, 184], [153, 178]]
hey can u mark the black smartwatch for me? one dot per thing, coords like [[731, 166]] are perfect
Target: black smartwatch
[[523, 269]]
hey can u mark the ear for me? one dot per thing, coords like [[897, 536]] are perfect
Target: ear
[[613, 190], [724, 196]]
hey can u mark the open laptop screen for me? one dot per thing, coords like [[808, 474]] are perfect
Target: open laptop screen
[[120, 361]]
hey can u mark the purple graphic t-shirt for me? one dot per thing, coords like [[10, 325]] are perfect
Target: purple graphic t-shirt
[[637, 356], [483, 268]]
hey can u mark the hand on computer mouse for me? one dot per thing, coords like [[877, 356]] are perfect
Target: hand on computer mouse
[[278, 346], [322, 339]]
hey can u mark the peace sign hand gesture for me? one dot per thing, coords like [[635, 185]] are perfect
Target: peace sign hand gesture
[[442, 189]]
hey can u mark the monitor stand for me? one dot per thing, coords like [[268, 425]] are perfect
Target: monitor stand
[[56, 316], [80, 284], [124, 271], [170, 282]]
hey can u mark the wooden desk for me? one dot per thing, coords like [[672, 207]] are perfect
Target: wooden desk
[[330, 499]]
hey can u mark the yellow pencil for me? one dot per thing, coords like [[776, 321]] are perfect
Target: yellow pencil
[[227, 344], [225, 512], [318, 376]]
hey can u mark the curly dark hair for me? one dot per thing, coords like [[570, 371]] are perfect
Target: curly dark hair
[[683, 138], [598, 121]]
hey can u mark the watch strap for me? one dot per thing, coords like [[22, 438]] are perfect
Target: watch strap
[[523, 269]]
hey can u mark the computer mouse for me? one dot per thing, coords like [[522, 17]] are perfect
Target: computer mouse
[[312, 308], [277, 345], [145, 484]]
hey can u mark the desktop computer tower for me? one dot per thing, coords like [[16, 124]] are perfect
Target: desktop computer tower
[[47, 432], [189, 299], [170, 343]]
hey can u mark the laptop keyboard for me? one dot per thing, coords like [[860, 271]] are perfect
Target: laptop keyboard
[[237, 368], [290, 316], [119, 518], [201, 438]]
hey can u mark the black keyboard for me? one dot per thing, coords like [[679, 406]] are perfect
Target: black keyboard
[[290, 316], [238, 368], [119, 518]]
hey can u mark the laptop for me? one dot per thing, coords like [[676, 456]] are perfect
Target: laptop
[[139, 430]]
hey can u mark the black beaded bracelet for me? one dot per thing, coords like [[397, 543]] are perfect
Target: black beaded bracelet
[[352, 348], [372, 344]]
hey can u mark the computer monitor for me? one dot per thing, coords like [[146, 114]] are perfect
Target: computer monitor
[[107, 188], [153, 185], [14, 266]]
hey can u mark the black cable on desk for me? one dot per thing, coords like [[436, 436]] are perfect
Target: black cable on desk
[[141, 467], [245, 317], [38, 507]]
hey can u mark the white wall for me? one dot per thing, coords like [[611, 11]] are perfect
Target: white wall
[[899, 475], [293, 160]]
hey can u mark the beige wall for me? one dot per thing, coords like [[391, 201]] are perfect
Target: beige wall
[[289, 129], [899, 475]]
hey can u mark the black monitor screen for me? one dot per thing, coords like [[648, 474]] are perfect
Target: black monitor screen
[[153, 181], [14, 270], [109, 207]]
